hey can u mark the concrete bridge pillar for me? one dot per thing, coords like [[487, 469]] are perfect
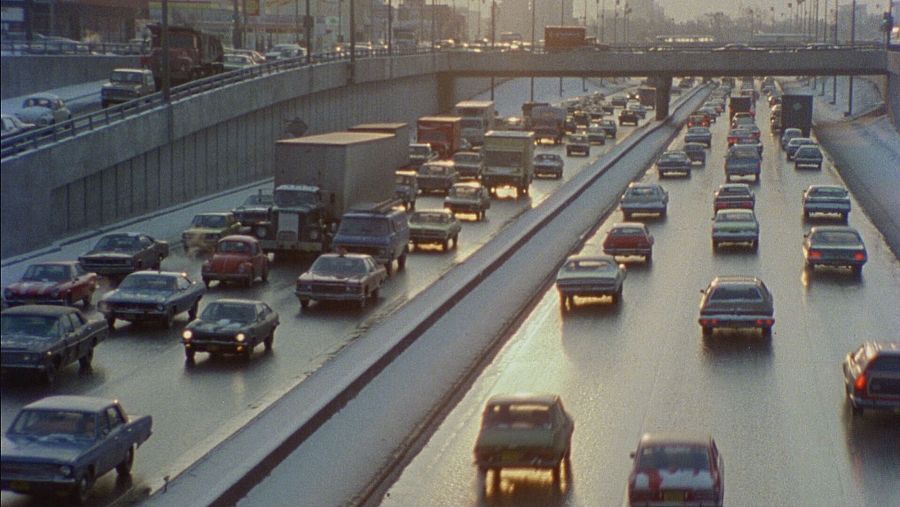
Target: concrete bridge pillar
[[663, 93]]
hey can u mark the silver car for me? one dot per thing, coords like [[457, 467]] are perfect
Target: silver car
[[44, 109]]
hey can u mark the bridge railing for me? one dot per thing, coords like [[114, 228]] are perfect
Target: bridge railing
[[56, 47], [37, 138]]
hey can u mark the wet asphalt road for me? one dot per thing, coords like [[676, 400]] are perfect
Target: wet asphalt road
[[776, 408], [143, 365]]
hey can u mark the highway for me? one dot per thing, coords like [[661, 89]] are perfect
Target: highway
[[775, 408], [193, 409]]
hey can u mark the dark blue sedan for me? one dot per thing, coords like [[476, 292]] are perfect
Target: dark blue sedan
[[152, 295]]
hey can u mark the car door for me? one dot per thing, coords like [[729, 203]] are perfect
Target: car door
[[184, 296], [70, 340], [117, 440], [80, 342]]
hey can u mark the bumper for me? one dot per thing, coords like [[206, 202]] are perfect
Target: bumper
[[742, 171], [428, 240], [628, 251], [216, 346], [464, 208], [298, 246], [875, 404], [798, 163], [547, 170], [735, 237], [37, 486], [225, 277], [467, 172], [737, 322], [515, 460], [329, 296], [497, 180], [849, 262], [437, 186], [583, 151], [586, 291], [649, 208], [826, 208]]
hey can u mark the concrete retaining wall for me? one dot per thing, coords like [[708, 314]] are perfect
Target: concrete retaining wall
[[22, 75], [892, 89], [205, 144]]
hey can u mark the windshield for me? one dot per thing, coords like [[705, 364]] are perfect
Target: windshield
[[46, 273], [209, 221], [467, 191], [330, 266], [240, 247], [626, 231], [419, 151], [503, 159], [291, 198], [836, 237], [237, 59], [466, 158], [31, 325], [808, 151], [358, 226], [518, 416], [641, 192], [123, 243], [259, 199], [672, 457], [738, 292], [148, 283], [472, 123], [127, 77], [732, 216], [44, 423], [234, 312], [829, 192], [429, 218]]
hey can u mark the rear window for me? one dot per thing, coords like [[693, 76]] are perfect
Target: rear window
[[836, 237], [885, 364], [641, 191], [627, 231], [829, 192], [741, 293], [518, 416], [673, 457]]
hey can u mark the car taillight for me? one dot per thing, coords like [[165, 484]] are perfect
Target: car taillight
[[764, 322], [860, 383], [815, 254], [859, 256]]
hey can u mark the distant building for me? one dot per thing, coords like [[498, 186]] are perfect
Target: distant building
[[515, 16], [89, 20]]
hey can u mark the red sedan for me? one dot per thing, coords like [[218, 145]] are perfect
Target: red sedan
[[237, 258], [52, 283], [629, 238], [676, 470]]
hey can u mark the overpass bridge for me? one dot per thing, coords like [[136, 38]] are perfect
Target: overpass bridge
[[218, 133]]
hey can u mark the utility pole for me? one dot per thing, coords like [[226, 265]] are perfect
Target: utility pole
[[852, 41], [164, 45], [432, 26], [493, 38], [352, 29], [308, 25], [533, 7], [562, 21], [390, 29], [834, 78]]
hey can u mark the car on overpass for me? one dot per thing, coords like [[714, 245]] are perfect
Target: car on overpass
[[43, 109], [126, 84]]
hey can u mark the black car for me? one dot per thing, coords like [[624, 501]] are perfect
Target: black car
[[628, 116], [698, 135], [548, 164], [255, 209], [578, 143], [119, 254], [610, 127], [830, 199], [152, 295], [44, 339], [230, 326], [739, 302], [872, 377], [696, 152], [836, 246], [673, 161]]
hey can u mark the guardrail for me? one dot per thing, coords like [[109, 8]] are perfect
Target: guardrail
[[37, 138], [72, 47]]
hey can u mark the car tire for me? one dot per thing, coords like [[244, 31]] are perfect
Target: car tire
[[169, 319], [363, 301], [401, 261], [806, 215], [857, 411], [192, 312], [845, 217], [857, 271], [158, 264], [84, 362], [206, 282], [455, 241], [265, 273], [715, 245], [123, 468], [189, 356], [707, 331], [555, 473], [626, 215], [766, 332], [648, 259], [111, 323], [754, 245], [82, 490], [389, 267], [269, 341]]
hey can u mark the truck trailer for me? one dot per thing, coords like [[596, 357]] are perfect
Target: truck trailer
[[400, 131], [548, 122], [508, 161], [443, 133], [318, 179], [478, 117], [796, 112]]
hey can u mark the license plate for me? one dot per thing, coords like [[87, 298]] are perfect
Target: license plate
[[213, 348], [19, 486], [673, 496]]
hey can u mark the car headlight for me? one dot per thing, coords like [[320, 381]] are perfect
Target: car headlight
[[187, 334], [65, 470], [160, 307], [240, 337]]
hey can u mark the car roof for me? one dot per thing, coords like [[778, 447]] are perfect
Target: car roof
[[130, 69], [654, 439], [736, 280], [239, 237], [596, 257], [42, 310], [42, 95], [643, 185], [539, 398], [830, 187], [442, 211], [237, 301], [887, 348], [441, 163], [77, 403], [739, 211]]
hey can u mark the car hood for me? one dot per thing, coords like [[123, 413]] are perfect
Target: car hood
[[203, 230], [227, 262], [49, 449], [506, 438], [654, 480], [223, 326], [134, 296], [312, 277], [33, 288], [32, 114], [23, 342], [107, 255]]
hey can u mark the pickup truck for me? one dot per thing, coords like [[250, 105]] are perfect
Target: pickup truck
[[44, 339], [60, 445]]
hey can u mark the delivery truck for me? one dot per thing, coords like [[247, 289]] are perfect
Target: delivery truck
[[564, 38], [508, 161], [443, 133], [400, 131], [740, 104], [548, 122], [796, 112], [527, 108], [478, 117], [318, 179]]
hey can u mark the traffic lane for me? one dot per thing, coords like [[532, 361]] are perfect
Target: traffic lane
[[775, 408], [143, 365]]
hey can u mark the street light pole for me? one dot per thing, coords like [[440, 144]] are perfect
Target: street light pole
[[164, 44], [432, 25], [390, 28], [562, 22], [834, 78], [852, 41], [533, 7], [352, 29], [308, 25]]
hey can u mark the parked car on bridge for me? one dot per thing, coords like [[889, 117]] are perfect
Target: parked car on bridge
[[44, 109], [872, 377], [45, 339], [524, 431], [230, 326], [734, 195], [236, 258], [152, 295], [735, 226], [121, 253], [644, 198], [737, 302], [60, 445], [835, 246], [673, 469], [54, 283], [434, 227], [341, 277], [207, 229], [548, 164], [590, 276], [125, 85], [628, 239], [826, 199]]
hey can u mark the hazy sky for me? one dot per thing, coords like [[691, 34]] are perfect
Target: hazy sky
[[689, 9]]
